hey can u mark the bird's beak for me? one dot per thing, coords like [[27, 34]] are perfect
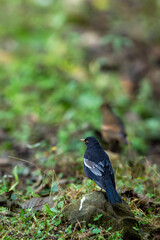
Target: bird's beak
[[83, 140]]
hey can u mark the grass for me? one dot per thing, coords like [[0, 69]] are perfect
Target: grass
[[50, 98], [49, 222]]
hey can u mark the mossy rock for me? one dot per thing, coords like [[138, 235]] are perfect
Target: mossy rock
[[117, 216]]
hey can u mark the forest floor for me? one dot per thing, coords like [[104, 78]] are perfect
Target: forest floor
[[59, 65]]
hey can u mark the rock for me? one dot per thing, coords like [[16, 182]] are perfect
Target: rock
[[118, 216]]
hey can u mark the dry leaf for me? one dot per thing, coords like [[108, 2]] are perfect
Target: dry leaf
[[143, 202], [37, 203]]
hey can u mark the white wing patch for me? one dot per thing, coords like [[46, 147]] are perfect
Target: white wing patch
[[95, 168], [101, 163]]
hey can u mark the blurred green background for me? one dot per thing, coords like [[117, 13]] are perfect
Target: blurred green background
[[52, 54], [59, 62]]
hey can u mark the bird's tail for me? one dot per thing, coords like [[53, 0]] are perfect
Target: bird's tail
[[113, 195]]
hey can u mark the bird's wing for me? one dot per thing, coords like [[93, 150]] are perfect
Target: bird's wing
[[110, 169], [97, 169]]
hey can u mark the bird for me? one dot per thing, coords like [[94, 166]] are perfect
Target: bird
[[112, 128], [97, 167]]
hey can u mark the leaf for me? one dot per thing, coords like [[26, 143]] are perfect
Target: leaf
[[15, 173], [54, 187], [110, 228], [96, 231], [5, 212], [142, 201], [37, 203], [57, 222], [13, 196], [4, 161], [69, 229], [49, 211], [98, 217], [16, 178], [60, 204]]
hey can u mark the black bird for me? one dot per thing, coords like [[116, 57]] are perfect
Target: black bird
[[97, 167]]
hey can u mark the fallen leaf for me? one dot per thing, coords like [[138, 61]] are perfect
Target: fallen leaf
[[37, 203], [53, 149], [143, 202], [5, 212], [4, 161]]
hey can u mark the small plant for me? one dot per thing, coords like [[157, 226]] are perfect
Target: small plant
[[69, 229], [136, 229], [16, 178], [116, 236], [98, 217]]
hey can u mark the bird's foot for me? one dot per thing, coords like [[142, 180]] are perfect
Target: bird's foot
[[93, 187]]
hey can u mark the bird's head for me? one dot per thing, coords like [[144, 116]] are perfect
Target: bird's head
[[90, 141]]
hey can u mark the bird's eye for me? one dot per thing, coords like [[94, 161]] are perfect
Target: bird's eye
[[87, 141]]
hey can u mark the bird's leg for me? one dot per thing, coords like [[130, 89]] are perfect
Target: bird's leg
[[93, 187]]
